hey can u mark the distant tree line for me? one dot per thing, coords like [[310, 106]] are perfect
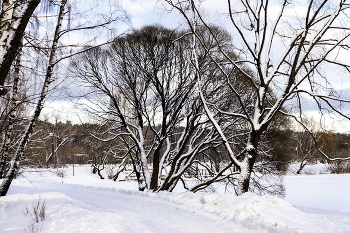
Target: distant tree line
[[58, 144]]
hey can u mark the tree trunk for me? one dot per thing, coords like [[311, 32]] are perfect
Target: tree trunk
[[155, 172], [248, 163], [243, 179], [11, 34], [12, 116], [29, 129], [140, 180], [301, 167], [138, 173], [145, 170]]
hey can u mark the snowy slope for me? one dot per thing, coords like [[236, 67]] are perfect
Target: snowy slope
[[84, 203]]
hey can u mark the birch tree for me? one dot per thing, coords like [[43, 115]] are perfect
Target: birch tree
[[11, 117], [40, 104], [288, 51], [55, 51], [14, 17]]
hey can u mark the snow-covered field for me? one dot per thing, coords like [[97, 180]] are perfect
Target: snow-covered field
[[84, 203], [317, 191]]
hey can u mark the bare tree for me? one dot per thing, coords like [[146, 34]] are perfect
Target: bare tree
[[40, 104], [287, 53], [305, 148], [143, 88], [143, 91], [56, 52], [14, 17]]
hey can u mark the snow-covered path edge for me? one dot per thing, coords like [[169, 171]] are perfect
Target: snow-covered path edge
[[261, 213]]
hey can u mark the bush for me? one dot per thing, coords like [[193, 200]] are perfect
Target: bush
[[37, 214], [61, 172], [339, 166]]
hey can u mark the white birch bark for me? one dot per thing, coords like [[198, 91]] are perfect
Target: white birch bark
[[144, 161], [12, 117], [14, 17], [5, 24], [29, 129]]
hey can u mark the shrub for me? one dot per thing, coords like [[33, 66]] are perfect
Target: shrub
[[339, 166], [37, 214]]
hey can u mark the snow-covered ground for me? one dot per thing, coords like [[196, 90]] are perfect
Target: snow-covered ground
[[317, 191], [84, 203]]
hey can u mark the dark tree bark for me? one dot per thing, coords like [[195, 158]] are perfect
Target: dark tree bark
[[13, 41], [5, 185]]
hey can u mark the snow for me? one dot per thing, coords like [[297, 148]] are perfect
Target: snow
[[324, 192], [85, 203], [309, 169]]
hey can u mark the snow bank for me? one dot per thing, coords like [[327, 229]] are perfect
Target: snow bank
[[258, 213], [249, 210]]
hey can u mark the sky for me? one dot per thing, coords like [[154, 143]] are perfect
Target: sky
[[140, 13], [148, 12]]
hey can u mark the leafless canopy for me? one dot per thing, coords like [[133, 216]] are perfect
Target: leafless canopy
[[293, 47]]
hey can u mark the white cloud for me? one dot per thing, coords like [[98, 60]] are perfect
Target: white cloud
[[65, 110]]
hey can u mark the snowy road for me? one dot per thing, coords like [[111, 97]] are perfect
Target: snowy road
[[129, 213], [73, 208]]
